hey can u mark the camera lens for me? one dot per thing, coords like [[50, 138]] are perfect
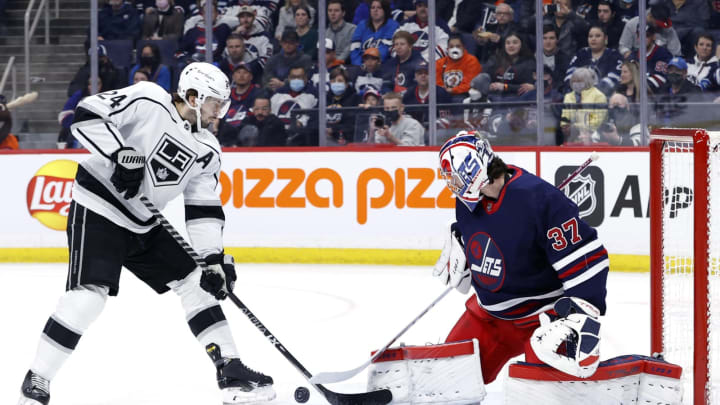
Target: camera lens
[[379, 121]]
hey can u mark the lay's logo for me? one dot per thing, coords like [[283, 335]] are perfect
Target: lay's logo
[[49, 193]]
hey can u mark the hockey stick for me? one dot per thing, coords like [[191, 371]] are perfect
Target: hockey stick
[[22, 100], [337, 376], [380, 397]]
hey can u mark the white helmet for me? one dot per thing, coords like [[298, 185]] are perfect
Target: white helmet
[[464, 161], [209, 82]]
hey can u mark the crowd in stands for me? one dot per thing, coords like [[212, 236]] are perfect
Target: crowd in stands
[[377, 59]]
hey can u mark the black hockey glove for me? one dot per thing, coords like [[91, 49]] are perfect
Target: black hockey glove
[[219, 277], [129, 171]]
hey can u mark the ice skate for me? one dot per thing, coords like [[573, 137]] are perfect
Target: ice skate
[[35, 390], [239, 383]]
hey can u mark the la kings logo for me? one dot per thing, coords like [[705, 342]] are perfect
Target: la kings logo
[[170, 161], [586, 190]]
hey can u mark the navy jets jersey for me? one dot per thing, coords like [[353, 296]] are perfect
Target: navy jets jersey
[[178, 161], [529, 247], [607, 67]]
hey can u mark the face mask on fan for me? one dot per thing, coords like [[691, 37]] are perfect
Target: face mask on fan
[[455, 53]]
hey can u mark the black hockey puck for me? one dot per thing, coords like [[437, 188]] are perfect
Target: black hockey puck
[[302, 394]]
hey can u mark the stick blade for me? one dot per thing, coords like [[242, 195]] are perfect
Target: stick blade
[[379, 397], [335, 376]]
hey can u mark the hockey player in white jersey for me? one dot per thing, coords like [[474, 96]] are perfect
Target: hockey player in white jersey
[[144, 141]]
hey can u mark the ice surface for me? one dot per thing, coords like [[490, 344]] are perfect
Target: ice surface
[[141, 352]]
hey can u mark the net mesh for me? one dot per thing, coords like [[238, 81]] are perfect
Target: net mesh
[[678, 261]]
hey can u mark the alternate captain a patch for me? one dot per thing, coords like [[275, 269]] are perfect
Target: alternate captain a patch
[[486, 261], [170, 161]]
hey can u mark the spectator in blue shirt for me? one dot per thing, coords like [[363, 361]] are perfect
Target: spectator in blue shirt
[[375, 32], [149, 61]]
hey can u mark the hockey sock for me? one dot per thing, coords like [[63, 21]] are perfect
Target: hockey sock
[[204, 315], [74, 313]]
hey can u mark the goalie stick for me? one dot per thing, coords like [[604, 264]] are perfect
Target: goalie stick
[[337, 376], [380, 397]]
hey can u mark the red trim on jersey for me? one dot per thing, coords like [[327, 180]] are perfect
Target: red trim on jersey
[[495, 205], [583, 264]]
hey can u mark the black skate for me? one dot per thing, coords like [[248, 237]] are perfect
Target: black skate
[[35, 390], [239, 383]]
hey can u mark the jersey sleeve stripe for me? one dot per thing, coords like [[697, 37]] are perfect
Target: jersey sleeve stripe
[[93, 144], [204, 211], [582, 264], [575, 255], [587, 275], [117, 137]]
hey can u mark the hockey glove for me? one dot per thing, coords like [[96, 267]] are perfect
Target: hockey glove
[[129, 171], [219, 277], [451, 267], [569, 342]]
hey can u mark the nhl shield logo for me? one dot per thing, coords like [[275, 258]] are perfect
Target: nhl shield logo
[[170, 161], [586, 190]]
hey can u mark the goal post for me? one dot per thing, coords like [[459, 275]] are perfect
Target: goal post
[[684, 251]]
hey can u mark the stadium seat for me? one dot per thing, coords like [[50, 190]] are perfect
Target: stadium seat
[[119, 51]]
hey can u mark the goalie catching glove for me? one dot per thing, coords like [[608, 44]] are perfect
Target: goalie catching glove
[[570, 341], [219, 277], [129, 171], [451, 267]]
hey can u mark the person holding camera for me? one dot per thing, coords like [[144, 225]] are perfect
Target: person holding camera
[[393, 127], [622, 127]]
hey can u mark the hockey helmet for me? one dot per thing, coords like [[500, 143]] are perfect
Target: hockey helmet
[[210, 83], [464, 161]]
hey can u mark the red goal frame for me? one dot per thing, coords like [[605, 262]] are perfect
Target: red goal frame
[[699, 138]]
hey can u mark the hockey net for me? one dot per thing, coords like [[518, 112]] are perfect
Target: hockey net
[[685, 257]]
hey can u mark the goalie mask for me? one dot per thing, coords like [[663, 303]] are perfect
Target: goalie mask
[[211, 85], [464, 161]]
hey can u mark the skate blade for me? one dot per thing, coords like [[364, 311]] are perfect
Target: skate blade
[[28, 401], [232, 396]]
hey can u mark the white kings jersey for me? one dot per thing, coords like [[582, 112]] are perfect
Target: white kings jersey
[[177, 160]]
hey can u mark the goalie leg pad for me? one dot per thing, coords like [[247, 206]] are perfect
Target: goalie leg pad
[[630, 379], [448, 373]]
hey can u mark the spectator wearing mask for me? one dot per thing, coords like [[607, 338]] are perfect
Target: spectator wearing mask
[[571, 29], [584, 121], [657, 58], [112, 77], [419, 94], [243, 93], [553, 57], [488, 38], [299, 93], [286, 16], [236, 54], [369, 73], [399, 70], [610, 22], [192, 44], [278, 66], [704, 62], [417, 26], [375, 32], [257, 42], [331, 62], [394, 127], [511, 74], [339, 30], [550, 93], [622, 127], [340, 124], [677, 83], [598, 57], [260, 128], [118, 20], [455, 71], [307, 36], [689, 19], [150, 62], [164, 21], [659, 18]]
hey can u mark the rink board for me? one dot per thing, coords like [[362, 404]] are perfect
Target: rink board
[[337, 205]]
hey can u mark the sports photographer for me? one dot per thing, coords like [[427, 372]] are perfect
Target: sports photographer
[[392, 126]]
